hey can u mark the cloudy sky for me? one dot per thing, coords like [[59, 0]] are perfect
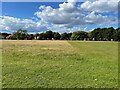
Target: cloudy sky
[[61, 17]]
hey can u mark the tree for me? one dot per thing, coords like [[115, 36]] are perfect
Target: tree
[[109, 32], [66, 36], [79, 35], [63, 36], [49, 35], [30, 37], [42, 36], [106, 34], [96, 34], [116, 35], [57, 36], [20, 34], [69, 36]]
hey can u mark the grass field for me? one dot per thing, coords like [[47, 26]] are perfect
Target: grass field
[[59, 64]]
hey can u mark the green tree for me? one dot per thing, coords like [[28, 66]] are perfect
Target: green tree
[[57, 36], [20, 34], [79, 35], [49, 35], [66, 36], [96, 34], [30, 37], [42, 36], [109, 32], [100, 34], [116, 35]]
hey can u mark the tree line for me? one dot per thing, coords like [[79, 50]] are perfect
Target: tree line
[[98, 34]]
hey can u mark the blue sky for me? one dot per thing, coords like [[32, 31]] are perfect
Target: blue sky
[[58, 16], [24, 9]]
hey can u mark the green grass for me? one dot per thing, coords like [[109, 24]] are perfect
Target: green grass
[[59, 64]]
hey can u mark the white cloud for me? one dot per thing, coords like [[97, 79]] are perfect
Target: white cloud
[[101, 5], [69, 14], [68, 17], [98, 19], [12, 24], [68, 7]]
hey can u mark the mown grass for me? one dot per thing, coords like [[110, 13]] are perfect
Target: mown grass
[[59, 64]]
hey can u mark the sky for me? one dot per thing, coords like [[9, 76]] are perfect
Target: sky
[[70, 16]]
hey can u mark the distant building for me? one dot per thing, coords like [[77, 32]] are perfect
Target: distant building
[[9, 37], [52, 38], [4, 35], [36, 38]]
